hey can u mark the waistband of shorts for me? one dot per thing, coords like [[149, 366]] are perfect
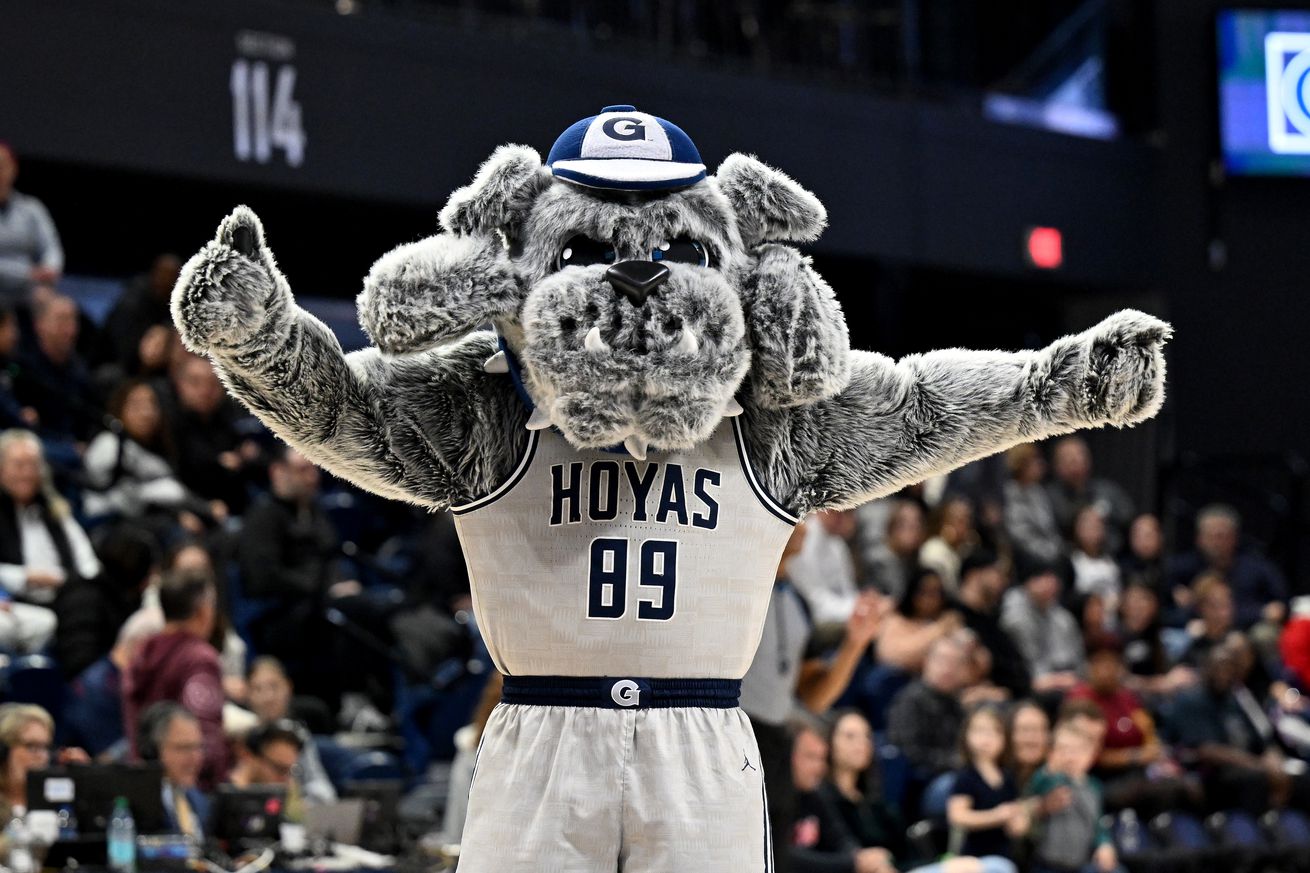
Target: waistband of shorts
[[621, 692]]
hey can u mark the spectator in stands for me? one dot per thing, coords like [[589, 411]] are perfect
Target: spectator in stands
[[788, 666], [984, 800], [270, 755], [271, 700], [213, 460], [53, 379], [192, 557], [142, 305], [28, 732], [920, 619], [288, 547], [170, 735], [30, 252], [951, 537], [860, 823], [1072, 838], [925, 718], [272, 697], [982, 584], [824, 571], [872, 832], [91, 611], [978, 686], [180, 664], [1095, 572], [1144, 559], [1144, 653], [1131, 747], [819, 841], [42, 546], [1029, 741], [1214, 607], [1226, 744], [1043, 630], [1029, 516], [129, 468], [289, 554], [894, 561], [1073, 487], [93, 712], [1259, 589], [1294, 645]]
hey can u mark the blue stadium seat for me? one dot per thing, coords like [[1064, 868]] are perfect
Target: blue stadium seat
[[374, 765], [1238, 828], [1178, 830], [35, 679]]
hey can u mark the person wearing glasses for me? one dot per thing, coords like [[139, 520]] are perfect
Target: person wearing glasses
[[26, 744], [170, 735], [269, 755]]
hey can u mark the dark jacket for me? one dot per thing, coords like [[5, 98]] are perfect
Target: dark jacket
[[1009, 669], [184, 669], [287, 553], [925, 724], [90, 613]]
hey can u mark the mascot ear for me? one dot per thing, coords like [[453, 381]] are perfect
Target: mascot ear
[[769, 205], [500, 195]]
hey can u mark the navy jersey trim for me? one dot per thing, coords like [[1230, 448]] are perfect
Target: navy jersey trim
[[769, 503], [519, 472]]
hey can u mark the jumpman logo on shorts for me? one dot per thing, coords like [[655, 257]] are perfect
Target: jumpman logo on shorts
[[747, 763]]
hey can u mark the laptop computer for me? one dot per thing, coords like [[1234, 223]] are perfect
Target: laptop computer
[[339, 822], [90, 790]]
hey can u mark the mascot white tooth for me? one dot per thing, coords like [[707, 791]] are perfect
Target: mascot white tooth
[[668, 388]]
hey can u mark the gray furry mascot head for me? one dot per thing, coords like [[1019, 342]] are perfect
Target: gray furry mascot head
[[636, 301]]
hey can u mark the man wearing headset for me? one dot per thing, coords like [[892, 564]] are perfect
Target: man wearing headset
[[171, 735]]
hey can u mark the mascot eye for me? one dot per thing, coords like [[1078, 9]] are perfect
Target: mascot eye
[[583, 251], [683, 250]]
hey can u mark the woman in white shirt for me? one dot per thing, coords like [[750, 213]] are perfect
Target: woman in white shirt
[[41, 544], [128, 469]]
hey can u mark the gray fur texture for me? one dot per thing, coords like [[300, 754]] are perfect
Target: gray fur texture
[[418, 418]]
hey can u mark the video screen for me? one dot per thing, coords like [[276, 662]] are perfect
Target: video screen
[[1264, 91]]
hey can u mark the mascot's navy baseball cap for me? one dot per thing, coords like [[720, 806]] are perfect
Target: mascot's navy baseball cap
[[625, 150]]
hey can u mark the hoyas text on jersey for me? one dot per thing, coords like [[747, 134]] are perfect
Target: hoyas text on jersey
[[660, 492]]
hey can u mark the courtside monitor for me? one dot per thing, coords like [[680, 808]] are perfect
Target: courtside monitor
[[1264, 91]]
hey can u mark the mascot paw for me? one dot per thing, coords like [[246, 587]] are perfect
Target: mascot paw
[[1124, 381], [436, 290], [225, 291], [797, 330]]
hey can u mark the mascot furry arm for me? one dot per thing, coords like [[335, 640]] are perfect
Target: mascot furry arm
[[430, 416]]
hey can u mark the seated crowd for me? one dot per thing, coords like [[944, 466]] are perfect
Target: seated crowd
[[1041, 666], [1008, 653]]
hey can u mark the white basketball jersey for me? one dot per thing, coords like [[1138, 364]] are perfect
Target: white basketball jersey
[[590, 563]]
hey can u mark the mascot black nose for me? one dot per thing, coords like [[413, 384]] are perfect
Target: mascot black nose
[[636, 279]]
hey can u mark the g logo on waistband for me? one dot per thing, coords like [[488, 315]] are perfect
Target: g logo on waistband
[[625, 692]]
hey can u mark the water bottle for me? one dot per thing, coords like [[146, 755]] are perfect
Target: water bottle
[[1130, 833], [19, 839], [122, 838]]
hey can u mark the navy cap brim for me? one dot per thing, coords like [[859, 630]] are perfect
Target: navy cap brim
[[628, 174]]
